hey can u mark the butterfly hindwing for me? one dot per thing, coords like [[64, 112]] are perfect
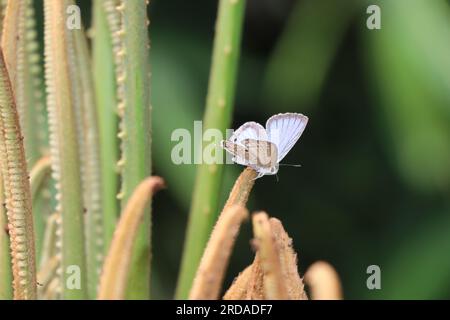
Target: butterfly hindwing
[[238, 151], [284, 130], [262, 153], [249, 130]]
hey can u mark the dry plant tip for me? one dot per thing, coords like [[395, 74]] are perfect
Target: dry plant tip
[[323, 282], [274, 282]]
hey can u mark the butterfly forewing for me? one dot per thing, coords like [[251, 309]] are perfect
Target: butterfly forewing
[[284, 130]]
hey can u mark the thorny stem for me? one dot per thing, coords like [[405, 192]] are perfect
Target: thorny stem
[[116, 269], [135, 129], [105, 85], [88, 137], [21, 51], [17, 192], [211, 271], [23, 61], [64, 144]]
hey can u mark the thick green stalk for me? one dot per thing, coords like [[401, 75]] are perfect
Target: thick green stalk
[[17, 191], [64, 145], [133, 79], [221, 93], [105, 86]]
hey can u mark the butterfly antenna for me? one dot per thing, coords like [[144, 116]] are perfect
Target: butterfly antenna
[[290, 165], [276, 175]]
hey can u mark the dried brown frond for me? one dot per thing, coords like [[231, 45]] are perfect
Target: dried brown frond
[[288, 260], [241, 189], [274, 282], [239, 288], [116, 268], [274, 272], [210, 274]]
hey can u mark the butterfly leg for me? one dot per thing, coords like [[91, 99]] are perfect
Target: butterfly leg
[[258, 176]]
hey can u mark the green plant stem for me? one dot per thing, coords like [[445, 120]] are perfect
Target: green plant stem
[[220, 100], [21, 50], [39, 181], [17, 192], [105, 86], [88, 135], [135, 134], [22, 57], [64, 145]]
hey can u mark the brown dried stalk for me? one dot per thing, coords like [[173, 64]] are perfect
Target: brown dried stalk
[[274, 283], [17, 192], [323, 281], [113, 281], [255, 289], [239, 288], [241, 189], [288, 260], [210, 274], [274, 272]]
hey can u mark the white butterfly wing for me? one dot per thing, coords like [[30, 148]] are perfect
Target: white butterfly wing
[[238, 151], [284, 130], [249, 130]]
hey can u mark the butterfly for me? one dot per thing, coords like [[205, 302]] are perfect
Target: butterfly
[[262, 148]]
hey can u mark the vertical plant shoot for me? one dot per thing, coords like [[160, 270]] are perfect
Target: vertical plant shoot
[[64, 144], [133, 80], [17, 192]]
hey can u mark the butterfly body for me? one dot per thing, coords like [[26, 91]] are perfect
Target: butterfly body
[[263, 148]]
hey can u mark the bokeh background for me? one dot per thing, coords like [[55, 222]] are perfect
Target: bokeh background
[[374, 186]]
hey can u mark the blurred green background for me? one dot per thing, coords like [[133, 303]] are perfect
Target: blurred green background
[[374, 186]]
